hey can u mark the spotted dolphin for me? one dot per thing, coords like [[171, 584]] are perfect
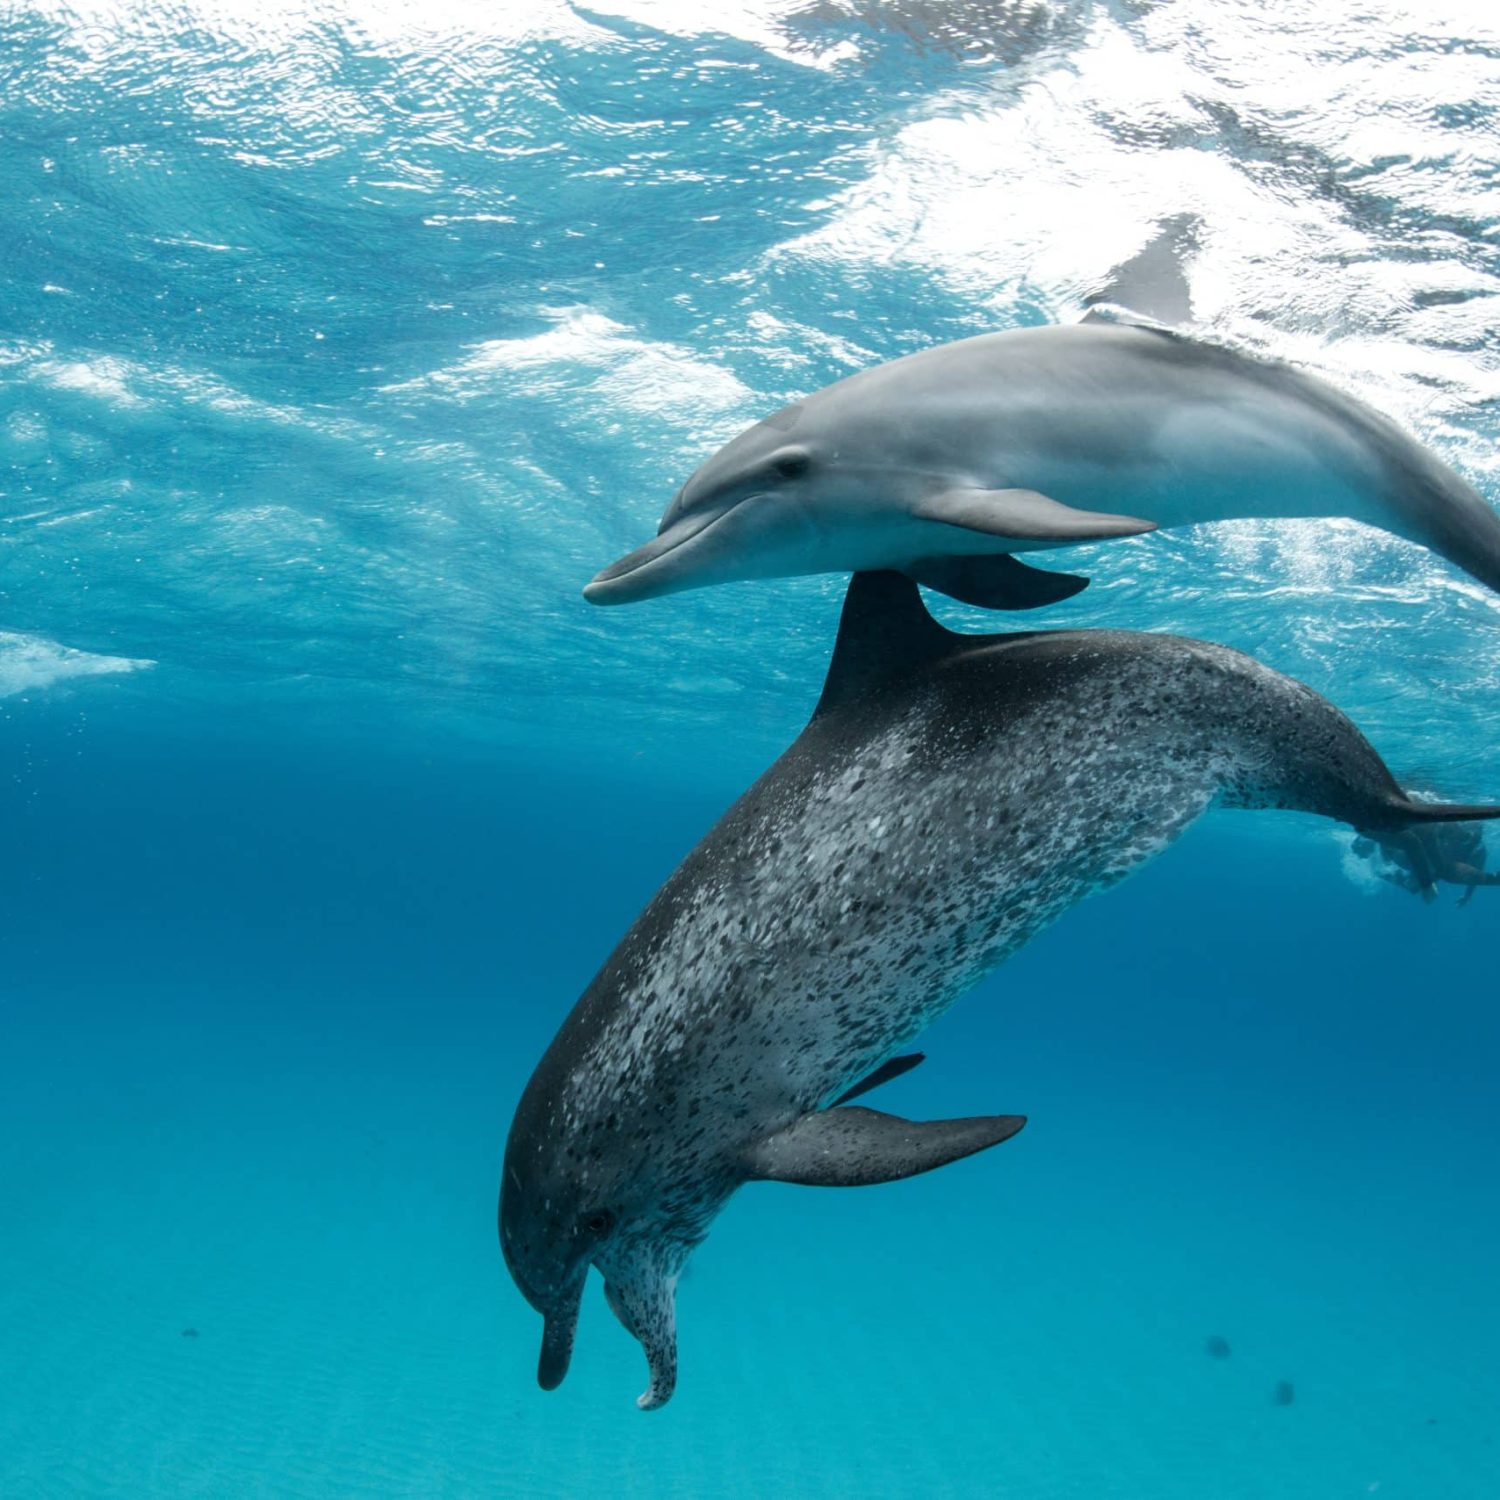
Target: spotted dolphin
[[946, 463], [950, 796]]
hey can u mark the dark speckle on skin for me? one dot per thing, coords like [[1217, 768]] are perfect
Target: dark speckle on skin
[[1216, 1346], [1284, 1394]]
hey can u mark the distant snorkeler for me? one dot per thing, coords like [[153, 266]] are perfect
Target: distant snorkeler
[[1437, 853], [945, 464]]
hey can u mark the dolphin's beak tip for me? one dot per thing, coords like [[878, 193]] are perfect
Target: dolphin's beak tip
[[557, 1347], [612, 586], [551, 1370]]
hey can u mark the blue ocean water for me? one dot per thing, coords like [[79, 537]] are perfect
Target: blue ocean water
[[339, 345]]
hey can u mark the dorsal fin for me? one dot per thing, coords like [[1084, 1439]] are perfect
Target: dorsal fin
[[884, 632], [1153, 283]]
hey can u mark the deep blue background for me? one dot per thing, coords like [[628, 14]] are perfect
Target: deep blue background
[[268, 1010]]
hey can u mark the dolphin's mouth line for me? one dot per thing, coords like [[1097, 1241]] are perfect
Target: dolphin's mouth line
[[661, 547], [633, 562]]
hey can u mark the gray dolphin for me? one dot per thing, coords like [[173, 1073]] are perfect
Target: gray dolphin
[[945, 463], [951, 795]]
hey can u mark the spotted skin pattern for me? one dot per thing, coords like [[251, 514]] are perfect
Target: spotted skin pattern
[[951, 797]]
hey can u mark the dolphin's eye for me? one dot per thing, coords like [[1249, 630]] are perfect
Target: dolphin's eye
[[599, 1222], [792, 464]]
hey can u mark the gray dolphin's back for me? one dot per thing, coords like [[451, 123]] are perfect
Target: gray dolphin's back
[[1103, 415], [1424, 499]]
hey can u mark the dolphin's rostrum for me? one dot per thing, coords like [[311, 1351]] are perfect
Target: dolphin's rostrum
[[951, 796]]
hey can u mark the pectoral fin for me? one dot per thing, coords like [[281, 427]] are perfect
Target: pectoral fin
[[893, 1068], [995, 582], [1025, 515], [647, 1308], [856, 1147]]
